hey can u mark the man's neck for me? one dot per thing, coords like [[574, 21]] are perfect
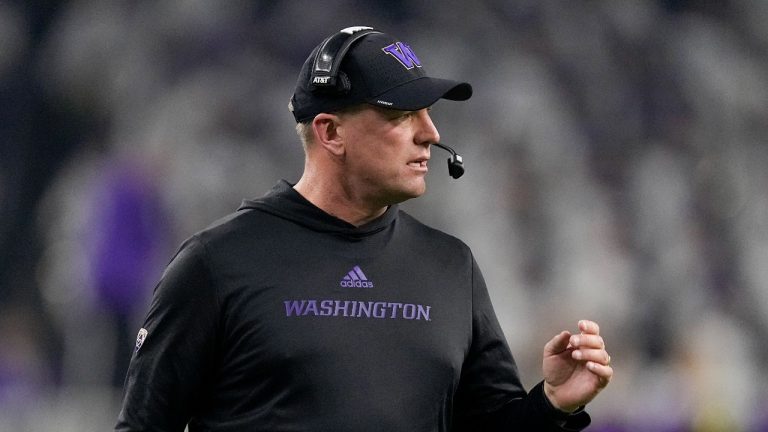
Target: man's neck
[[337, 202]]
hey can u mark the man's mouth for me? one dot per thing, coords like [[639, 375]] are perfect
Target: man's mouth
[[420, 163]]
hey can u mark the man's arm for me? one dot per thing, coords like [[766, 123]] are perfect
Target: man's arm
[[490, 395], [169, 372]]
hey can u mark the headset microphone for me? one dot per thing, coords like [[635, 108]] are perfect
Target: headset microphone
[[455, 162]]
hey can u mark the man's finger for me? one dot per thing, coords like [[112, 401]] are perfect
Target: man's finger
[[592, 355], [587, 341], [604, 372], [589, 327]]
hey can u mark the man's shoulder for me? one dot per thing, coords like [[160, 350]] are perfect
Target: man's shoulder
[[242, 225], [422, 232]]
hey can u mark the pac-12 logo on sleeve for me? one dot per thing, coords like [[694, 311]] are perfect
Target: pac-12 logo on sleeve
[[140, 339]]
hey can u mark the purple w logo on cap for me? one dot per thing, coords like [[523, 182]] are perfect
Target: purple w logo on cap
[[404, 54]]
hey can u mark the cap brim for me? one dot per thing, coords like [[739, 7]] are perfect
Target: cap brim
[[422, 93]]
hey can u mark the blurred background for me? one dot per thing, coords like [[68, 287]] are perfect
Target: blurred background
[[616, 170]]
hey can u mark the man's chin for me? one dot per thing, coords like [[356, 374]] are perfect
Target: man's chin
[[408, 194]]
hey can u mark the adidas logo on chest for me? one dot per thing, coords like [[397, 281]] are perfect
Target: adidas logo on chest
[[356, 279]]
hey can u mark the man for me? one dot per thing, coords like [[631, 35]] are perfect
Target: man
[[323, 307]]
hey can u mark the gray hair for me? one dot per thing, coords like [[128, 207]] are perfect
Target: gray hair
[[304, 130]]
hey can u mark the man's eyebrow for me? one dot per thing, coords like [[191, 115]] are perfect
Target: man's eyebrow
[[391, 112]]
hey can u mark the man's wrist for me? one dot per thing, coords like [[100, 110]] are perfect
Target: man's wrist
[[549, 397], [567, 421]]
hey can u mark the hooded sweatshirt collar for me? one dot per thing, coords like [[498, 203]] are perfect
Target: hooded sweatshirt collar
[[285, 202]]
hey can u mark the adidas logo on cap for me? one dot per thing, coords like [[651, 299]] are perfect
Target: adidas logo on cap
[[356, 279]]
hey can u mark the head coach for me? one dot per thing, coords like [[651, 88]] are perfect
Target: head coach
[[324, 307]]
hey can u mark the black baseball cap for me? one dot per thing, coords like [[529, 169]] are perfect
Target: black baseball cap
[[377, 69]]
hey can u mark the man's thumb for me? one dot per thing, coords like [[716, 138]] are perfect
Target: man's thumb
[[557, 344]]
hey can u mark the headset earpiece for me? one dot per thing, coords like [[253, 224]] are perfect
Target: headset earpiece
[[326, 76]]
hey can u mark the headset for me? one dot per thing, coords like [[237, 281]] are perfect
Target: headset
[[327, 78]]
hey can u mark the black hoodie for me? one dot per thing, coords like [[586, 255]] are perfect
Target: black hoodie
[[281, 317]]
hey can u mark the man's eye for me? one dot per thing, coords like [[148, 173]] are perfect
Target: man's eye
[[400, 115]]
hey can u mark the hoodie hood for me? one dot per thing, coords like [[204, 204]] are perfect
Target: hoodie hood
[[285, 202]]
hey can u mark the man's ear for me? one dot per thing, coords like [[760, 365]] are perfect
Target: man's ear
[[325, 128]]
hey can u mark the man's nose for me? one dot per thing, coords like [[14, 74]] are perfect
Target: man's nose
[[426, 132]]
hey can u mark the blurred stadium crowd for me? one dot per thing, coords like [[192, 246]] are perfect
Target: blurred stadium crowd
[[616, 156]]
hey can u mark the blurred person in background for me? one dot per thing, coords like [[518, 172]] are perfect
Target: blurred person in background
[[323, 306], [129, 229]]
